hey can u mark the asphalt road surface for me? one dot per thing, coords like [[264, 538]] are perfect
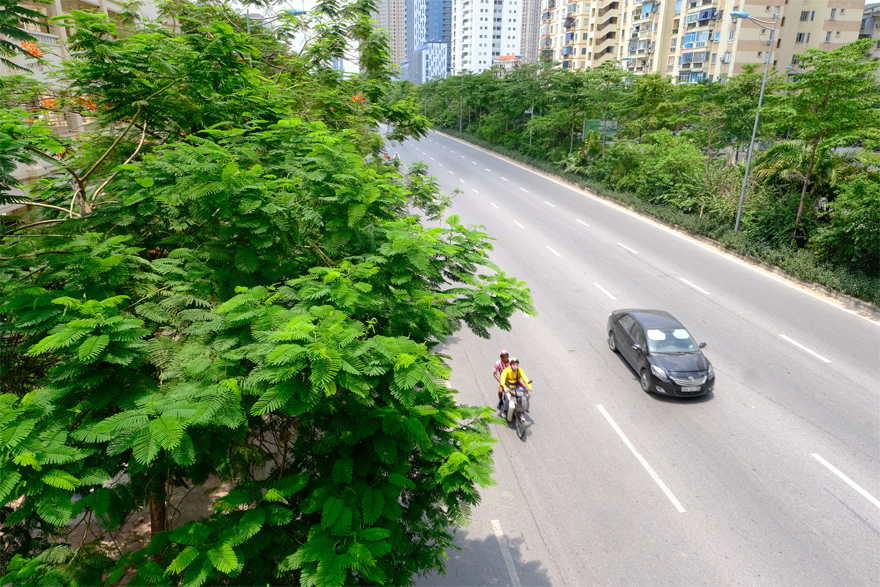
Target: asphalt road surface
[[771, 480]]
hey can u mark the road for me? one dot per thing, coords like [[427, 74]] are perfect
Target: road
[[771, 480]]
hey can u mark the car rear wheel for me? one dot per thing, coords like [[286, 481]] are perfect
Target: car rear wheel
[[612, 341], [645, 380]]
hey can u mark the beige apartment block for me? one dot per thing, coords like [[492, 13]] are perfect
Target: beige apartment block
[[871, 30], [391, 17], [691, 40], [579, 35]]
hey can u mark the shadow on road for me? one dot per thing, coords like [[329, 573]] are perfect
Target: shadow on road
[[480, 562]]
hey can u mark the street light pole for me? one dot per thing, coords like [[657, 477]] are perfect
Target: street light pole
[[761, 24]]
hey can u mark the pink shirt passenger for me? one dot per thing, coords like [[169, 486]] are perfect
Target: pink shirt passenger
[[500, 367]]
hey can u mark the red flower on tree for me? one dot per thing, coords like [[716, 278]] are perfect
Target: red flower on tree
[[358, 98], [48, 103], [32, 49]]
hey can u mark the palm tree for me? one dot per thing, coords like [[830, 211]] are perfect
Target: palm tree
[[789, 161]]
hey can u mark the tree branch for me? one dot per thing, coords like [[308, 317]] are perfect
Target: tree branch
[[113, 146], [127, 161], [53, 221]]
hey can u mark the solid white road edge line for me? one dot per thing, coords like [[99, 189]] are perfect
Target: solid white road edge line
[[582, 222], [505, 553], [627, 248], [642, 460], [683, 237], [682, 279], [848, 481], [554, 252], [518, 224], [493, 203], [549, 204], [605, 291], [797, 344]]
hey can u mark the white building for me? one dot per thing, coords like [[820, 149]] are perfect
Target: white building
[[483, 30], [433, 59]]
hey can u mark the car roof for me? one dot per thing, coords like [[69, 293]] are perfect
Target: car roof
[[651, 318]]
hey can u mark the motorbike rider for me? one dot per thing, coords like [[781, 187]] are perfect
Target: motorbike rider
[[513, 377], [500, 365]]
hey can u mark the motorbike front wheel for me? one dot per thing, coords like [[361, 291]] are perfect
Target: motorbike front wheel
[[520, 426]]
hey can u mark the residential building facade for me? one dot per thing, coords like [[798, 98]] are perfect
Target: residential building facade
[[579, 35], [438, 26], [871, 30], [482, 31], [391, 17], [692, 40]]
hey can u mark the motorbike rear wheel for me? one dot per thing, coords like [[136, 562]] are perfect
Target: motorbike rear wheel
[[520, 426]]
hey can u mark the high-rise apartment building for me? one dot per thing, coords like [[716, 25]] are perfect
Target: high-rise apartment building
[[691, 40], [531, 22], [871, 30], [580, 35], [391, 17], [438, 25], [483, 30]]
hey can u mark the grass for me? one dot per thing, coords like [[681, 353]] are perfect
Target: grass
[[799, 264]]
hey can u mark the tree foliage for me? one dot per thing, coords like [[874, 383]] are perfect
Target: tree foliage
[[229, 280]]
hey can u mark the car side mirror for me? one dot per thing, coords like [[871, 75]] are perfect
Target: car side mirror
[[639, 348], [702, 345]]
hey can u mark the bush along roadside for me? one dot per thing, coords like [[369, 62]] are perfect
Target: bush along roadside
[[800, 264]]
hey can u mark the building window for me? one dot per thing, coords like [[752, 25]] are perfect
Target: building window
[[800, 37], [833, 13], [828, 37], [805, 15], [714, 57], [730, 34]]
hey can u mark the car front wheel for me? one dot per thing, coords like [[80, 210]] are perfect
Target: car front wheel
[[645, 380], [612, 342]]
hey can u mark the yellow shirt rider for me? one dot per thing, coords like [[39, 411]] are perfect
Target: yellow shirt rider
[[513, 375]]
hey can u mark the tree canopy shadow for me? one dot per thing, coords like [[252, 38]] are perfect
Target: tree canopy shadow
[[479, 561]]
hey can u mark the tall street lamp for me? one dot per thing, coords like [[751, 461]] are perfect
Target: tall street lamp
[[764, 25]]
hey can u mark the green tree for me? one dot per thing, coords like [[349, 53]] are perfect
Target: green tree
[[240, 293], [834, 96], [13, 17], [852, 238]]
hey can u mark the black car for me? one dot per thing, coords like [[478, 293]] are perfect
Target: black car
[[661, 351]]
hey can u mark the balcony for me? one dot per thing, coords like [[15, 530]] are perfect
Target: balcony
[[612, 20], [611, 6], [569, 22]]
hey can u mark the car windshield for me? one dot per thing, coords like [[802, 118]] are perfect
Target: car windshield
[[670, 340]]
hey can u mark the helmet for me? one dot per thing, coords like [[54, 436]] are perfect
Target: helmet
[[514, 360], [504, 352]]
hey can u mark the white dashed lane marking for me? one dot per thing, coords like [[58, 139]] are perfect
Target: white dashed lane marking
[[554, 252], [800, 346], [683, 280], [582, 222], [518, 224], [627, 248], [605, 291]]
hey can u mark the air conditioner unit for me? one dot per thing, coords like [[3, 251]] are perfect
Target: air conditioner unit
[[650, 50]]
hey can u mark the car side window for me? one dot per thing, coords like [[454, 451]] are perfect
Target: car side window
[[639, 336], [626, 322]]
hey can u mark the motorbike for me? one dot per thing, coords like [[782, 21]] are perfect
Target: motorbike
[[514, 407]]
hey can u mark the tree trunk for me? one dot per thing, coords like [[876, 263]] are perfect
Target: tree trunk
[[800, 212], [158, 514], [571, 141]]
